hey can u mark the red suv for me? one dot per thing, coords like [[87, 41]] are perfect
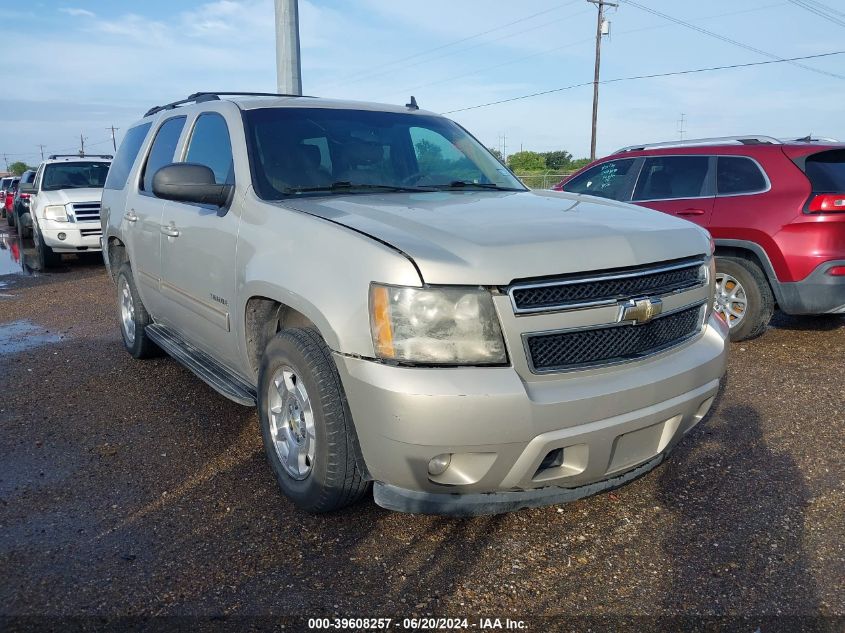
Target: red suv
[[776, 210]]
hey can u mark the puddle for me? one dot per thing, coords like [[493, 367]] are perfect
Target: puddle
[[18, 336], [16, 256]]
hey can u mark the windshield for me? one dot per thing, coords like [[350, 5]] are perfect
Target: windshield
[[321, 151], [77, 175]]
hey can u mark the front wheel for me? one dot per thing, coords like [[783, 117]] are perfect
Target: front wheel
[[47, 257], [306, 424], [743, 297]]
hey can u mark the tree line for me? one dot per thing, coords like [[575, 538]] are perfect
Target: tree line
[[18, 167], [558, 161]]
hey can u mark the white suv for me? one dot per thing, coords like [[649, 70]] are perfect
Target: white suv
[[64, 212]]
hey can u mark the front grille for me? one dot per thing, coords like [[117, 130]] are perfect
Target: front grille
[[86, 211], [611, 344], [87, 232], [654, 280]]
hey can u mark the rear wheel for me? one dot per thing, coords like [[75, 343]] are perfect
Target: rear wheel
[[306, 424], [743, 297], [22, 220]]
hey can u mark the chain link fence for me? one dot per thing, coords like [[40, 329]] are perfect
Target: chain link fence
[[541, 181]]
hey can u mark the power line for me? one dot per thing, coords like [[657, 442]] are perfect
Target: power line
[[825, 13], [653, 27], [652, 76], [368, 74], [826, 7], [727, 39]]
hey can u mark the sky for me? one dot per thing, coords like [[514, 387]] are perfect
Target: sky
[[79, 67]]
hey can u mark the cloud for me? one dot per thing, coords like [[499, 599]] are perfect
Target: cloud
[[79, 13]]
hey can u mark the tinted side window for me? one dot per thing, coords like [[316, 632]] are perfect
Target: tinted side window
[[210, 146], [826, 171], [126, 155], [669, 177], [161, 153], [38, 174], [736, 174], [607, 180]]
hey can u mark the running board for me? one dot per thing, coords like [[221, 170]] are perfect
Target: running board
[[204, 366]]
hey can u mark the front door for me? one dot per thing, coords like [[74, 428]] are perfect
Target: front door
[[198, 250], [677, 185]]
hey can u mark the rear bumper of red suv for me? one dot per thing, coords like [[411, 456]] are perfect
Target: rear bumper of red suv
[[819, 293]]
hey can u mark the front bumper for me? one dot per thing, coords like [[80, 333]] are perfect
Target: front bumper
[[818, 293], [517, 443], [78, 237]]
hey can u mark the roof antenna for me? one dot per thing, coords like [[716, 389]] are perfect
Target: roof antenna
[[413, 104]]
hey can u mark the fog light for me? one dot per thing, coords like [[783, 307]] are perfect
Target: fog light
[[439, 464], [62, 236]]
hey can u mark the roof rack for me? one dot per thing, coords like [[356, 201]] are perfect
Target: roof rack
[[201, 97], [749, 139], [55, 156]]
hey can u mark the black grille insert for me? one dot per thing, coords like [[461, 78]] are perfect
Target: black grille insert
[[624, 285], [581, 348]]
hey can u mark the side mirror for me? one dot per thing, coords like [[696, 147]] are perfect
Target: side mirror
[[27, 188], [187, 182]]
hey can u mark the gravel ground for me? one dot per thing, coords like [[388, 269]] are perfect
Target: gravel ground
[[129, 488]]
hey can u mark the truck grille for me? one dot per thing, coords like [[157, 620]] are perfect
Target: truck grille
[[654, 280], [602, 345], [86, 211], [88, 232]]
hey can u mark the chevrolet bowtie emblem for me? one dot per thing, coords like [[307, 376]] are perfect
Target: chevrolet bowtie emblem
[[640, 310]]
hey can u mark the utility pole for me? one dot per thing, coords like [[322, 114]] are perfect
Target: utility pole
[[41, 147], [81, 145], [288, 68], [600, 30], [6, 158], [681, 126], [113, 130]]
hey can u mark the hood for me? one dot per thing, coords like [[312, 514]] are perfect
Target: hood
[[65, 196], [492, 238]]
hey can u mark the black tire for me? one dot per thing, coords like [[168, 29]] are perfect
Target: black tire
[[761, 301], [23, 231], [334, 480], [47, 257], [139, 345]]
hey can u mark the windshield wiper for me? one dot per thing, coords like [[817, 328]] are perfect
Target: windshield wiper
[[463, 184], [345, 185]]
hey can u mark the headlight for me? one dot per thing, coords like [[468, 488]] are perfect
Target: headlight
[[440, 326], [56, 212]]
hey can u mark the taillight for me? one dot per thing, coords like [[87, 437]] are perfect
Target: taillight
[[827, 203], [25, 196], [837, 271]]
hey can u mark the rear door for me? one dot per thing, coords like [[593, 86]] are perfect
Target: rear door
[[677, 185], [142, 218], [198, 249]]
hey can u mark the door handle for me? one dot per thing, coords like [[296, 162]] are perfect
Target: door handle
[[170, 230], [130, 216], [690, 212]]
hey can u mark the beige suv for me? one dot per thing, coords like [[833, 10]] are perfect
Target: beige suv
[[402, 310]]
